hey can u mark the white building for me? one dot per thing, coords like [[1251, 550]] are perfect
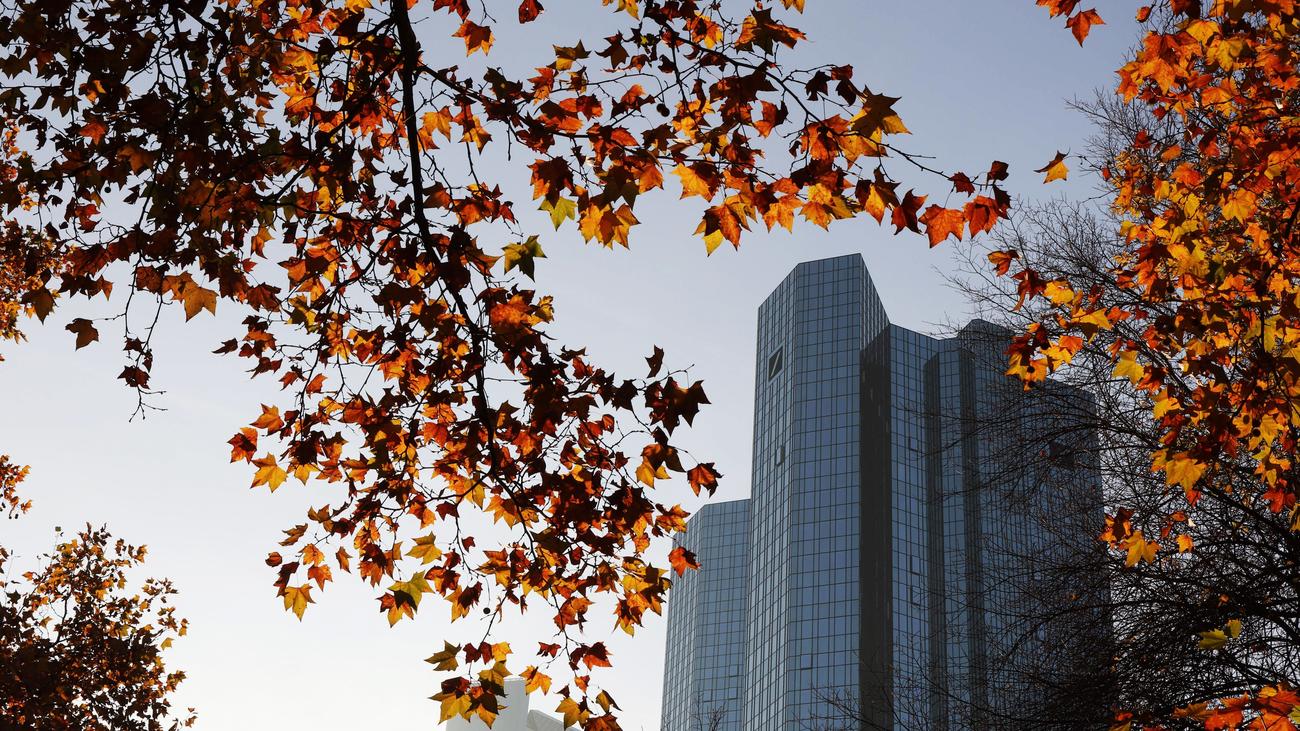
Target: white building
[[514, 715]]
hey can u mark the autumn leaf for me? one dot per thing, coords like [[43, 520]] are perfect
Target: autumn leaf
[[522, 255], [655, 361], [477, 37], [1214, 639], [1081, 23], [529, 10], [1001, 261], [697, 179], [270, 420], [296, 599], [940, 223], [682, 559], [84, 330], [560, 210], [1056, 169], [1128, 367], [268, 473]]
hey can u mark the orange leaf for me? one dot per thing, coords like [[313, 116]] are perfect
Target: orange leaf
[[682, 559], [940, 223], [477, 37], [1081, 23]]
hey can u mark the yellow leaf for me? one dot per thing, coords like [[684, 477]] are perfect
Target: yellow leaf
[[1094, 319], [1128, 367], [522, 255], [1182, 470], [647, 473], [573, 714], [1140, 549], [693, 182], [1202, 30], [196, 299], [1240, 205], [425, 549], [536, 680], [561, 209], [439, 121], [1056, 169], [1164, 404], [1213, 639], [1059, 292], [444, 659], [268, 473], [297, 598]]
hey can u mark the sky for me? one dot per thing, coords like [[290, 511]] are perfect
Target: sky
[[978, 80]]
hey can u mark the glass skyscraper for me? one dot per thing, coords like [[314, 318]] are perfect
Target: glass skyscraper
[[875, 557]]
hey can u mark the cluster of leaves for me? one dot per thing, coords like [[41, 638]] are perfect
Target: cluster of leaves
[[1201, 604], [295, 158], [10, 475], [1205, 189], [79, 647]]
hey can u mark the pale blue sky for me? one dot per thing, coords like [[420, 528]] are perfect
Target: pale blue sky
[[979, 79]]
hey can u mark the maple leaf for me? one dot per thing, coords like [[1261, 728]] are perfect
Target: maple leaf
[[560, 209], [940, 223], [593, 656], [1183, 470], [697, 179], [703, 477], [1081, 23], [982, 213], [1128, 367], [1059, 7], [759, 29], [529, 10], [1140, 549], [1214, 639], [682, 559], [655, 361], [41, 301], [270, 420], [84, 330], [904, 215], [1055, 169], [477, 37], [535, 680], [268, 473], [296, 599], [522, 255]]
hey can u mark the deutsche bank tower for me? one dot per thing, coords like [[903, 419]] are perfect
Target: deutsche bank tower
[[882, 572]]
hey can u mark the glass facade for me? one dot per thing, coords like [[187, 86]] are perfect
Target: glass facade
[[883, 527], [706, 627]]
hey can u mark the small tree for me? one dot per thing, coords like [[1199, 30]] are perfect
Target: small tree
[[81, 644]]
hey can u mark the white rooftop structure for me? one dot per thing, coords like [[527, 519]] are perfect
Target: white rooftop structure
[[514, 715]]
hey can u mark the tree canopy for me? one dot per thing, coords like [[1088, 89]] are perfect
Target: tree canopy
[[1199, 313]]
